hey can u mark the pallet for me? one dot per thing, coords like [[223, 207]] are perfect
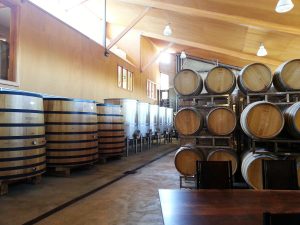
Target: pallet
[[64, 171], [4, 184]]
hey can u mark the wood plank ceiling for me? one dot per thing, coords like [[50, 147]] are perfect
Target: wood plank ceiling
[[228, 30]]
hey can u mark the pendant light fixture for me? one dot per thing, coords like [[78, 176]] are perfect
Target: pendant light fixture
[[284, 6], [183, 55], [262, 50], [168, 30]]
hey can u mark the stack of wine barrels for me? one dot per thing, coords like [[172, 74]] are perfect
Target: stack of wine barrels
[[111, 132], [220, 80], [71, 132], [286, 77], [255, 78], [262, 120], [191, 121], [185, 159], [188, 82], [224, 155], [188, 121], [187, 155], [292, 119], [221, 121], [252, 168], [22, 135]]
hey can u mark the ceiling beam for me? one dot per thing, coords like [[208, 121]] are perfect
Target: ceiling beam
[[155, 57], [234, 19], [211, 48], [128, 28]]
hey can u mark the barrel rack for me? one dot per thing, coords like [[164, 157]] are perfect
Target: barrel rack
[[277, 98], [207, 100], [275, 142], [280, 99], [205, 139]]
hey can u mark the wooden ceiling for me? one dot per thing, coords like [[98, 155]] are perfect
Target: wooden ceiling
[[228, 30]]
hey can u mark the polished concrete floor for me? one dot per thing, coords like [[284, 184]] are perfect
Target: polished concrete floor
[[132, 200]]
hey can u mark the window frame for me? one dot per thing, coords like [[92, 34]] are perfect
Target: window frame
[[12, 78], [121, 81], [151, 89]]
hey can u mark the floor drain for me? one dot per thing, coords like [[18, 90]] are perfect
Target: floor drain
[[130, 172]]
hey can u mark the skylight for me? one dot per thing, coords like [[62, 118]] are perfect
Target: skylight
[[79, 14]]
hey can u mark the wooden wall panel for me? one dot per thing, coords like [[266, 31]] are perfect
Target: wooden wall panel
[[148, 52], [55, 59]]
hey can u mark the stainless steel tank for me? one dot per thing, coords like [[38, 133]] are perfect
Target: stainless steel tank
[[169, 119], [162, 119], [130, 112], [144, 118], [154, 122]]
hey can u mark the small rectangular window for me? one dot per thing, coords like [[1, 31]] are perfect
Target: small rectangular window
[[130, 81], [120, 76], [151, 89], [164, 95], [8, 14], [125, 78]]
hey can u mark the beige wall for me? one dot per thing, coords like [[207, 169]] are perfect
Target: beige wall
[[53, 58]]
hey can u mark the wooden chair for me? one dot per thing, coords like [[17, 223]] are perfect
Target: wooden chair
[[280, 175], [214, 174], [281, 218]]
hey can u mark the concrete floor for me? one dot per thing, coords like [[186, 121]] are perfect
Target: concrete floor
[[133, 200]]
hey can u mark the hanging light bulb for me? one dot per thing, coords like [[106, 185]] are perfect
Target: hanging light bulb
[[262, 50], [183, 55], [284, 6], [167, 31]]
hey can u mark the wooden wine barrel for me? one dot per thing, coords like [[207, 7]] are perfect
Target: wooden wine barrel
[[252, 168], [221, 121], [224, 155], [188, 121], [185, 159], [292, 119], [262, 120], [220, 80], [111, 134], [71, 132], [286, 76], [188, 82], [22, 135], [255, 77]]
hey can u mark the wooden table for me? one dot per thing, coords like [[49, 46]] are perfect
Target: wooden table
[[224, 207]]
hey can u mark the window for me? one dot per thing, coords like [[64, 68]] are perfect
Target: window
[[151, 89], [164, 81], [8, 14], [68, 10], [164, 95], [125, 78]]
